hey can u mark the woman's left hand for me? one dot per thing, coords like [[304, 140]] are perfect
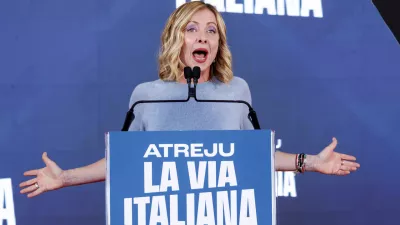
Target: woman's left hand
[[333, 163]]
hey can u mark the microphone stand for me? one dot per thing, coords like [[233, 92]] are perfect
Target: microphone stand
[[252, 116], [130, 115], [189, 75]]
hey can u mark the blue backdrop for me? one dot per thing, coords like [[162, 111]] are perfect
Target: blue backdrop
[[67, 69]]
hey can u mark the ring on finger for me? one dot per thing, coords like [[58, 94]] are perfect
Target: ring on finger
[[37, 185]]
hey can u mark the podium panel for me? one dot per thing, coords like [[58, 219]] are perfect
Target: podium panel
[[190, 178]]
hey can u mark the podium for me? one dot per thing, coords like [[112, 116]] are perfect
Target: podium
[[190, 178]]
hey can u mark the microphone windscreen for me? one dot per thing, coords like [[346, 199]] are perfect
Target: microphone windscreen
[[187, 72], [196, 72]]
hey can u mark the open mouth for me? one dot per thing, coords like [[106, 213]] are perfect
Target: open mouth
[[200, 55]]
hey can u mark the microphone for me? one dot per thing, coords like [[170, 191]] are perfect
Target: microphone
[[195, 75], [130, 115], [252, 116], [189, 75]]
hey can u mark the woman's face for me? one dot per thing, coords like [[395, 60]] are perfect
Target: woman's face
[[201, 41]]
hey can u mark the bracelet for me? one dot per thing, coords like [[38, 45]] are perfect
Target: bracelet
[[300, 165]]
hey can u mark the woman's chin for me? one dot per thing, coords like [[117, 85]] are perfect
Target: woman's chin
[[203, 66]]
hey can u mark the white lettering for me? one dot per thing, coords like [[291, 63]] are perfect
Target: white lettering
[[205, 206], [158, 212], [311, 5], [173, 203], [6, 200], [230, 153], [169, 171], [233, 7], [152, 150], [141, 202], [223, 211], [197, 181], [227, 174], [128, 211], [148, 179], [213, 153], [249, 6], [212, 174], [285, 184], [289, 185], [227, 211], [195, 150], [181, 148], [279, 183], [278, 143], [227, 167], [166, 148], [219, 4], [265, 4], [294, 8], [188, 150], [169, 178], [190, 209], [179, 3], [248, 205]]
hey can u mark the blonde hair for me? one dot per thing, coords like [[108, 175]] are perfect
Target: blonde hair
[[172, 40]]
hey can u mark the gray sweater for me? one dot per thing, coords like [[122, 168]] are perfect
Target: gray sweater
[[191, 115]]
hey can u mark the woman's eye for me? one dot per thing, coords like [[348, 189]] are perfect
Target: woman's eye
[[190, 29], [212, 30]]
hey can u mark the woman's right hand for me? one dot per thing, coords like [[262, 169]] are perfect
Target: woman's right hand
[[47, 178]]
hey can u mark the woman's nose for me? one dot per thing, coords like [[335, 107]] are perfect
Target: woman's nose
[[202, 38]]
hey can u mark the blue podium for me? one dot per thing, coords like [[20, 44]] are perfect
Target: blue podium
[[190, 178]]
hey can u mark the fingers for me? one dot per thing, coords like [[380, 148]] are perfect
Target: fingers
[[46, 159], [348, 157], [29, 182], [31, 173], [348, 168], [32, 189], [28, 189], [29, 185], [351, 164], [332, 145], [36, 171], [35, 193], [343, 172]]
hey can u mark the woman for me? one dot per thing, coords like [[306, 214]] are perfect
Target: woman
[[195, 35]]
